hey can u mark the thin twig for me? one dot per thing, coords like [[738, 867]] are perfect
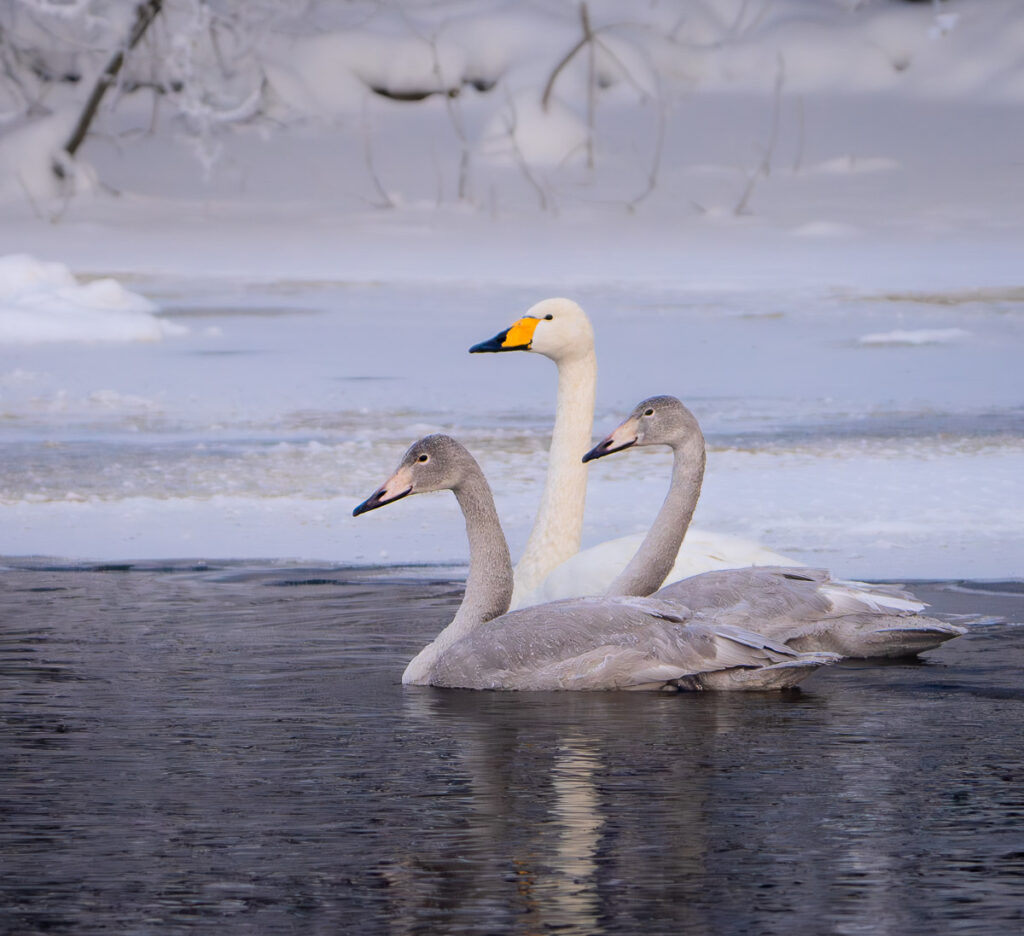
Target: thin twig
[[764, 168], [591, 85], [451, 107], [588, 37], [659, 144], [510, 125], [773, 135], [799, 159], [627, 74], [386, 199]]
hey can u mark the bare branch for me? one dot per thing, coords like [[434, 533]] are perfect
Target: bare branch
[[145, 13], [386, 200], [659, 146], [799, 158], [591, 84], [510, 125], [588, 36], [452, 107], [627, 74], [764, 168]]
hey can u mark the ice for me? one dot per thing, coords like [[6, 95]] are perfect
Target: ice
[[921, 336], [259, 440], [43, 302]]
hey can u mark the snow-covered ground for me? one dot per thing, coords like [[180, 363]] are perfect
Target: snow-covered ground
[[851, 339]]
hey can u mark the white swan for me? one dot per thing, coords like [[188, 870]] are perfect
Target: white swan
[[804, 608], [585, 643], [552, 565]]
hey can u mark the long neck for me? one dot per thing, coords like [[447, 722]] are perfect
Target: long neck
[[657, 553], [489, 583], [556, 531]]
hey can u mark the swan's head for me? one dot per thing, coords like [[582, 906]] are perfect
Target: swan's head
[[658, 420], [557, 328], [435, 463]]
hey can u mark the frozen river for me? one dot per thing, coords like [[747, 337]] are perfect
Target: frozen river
[[878, 434]]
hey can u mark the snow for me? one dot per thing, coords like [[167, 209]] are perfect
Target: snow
[[43, 302], [223, 364], [27, 152], [526, 131]]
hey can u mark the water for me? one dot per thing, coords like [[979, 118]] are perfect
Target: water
[[197, 747]]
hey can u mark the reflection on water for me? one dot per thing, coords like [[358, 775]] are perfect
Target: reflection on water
[[229, 749]]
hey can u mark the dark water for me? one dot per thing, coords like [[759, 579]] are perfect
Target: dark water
[[229, 750]]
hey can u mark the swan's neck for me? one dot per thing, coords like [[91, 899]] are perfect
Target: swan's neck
[[489, 583], [556, 531], [654, 559]]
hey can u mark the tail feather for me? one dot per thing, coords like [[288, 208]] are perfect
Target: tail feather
[[782, 675]]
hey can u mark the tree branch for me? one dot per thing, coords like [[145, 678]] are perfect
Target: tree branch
[[588, 36], [145, 13]]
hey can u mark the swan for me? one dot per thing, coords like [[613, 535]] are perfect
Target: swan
[[804, 608], [583, 643], [552, 565]]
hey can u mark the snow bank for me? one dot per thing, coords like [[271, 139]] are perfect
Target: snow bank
[[525, 131], [663, 52], [43, 302], [28, 151]]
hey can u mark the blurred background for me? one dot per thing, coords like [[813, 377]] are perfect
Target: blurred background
[[246, 244]]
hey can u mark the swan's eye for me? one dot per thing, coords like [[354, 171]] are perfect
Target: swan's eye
[[648, 412], [423, 458], [548, 317]]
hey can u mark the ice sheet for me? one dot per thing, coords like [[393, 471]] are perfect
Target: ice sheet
[[255, 432]]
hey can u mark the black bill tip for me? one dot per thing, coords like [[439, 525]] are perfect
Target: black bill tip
[[607, 447], [378, 499], [497, 343]]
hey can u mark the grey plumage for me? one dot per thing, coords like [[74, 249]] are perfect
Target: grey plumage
[[805, 608], [589, 643], [614, 643]]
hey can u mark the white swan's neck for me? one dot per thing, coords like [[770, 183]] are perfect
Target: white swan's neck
[[557, 530], [653, 561], [489, 583]]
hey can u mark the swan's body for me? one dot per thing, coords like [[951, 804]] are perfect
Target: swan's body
[[804, 608], [616, 643], [590, 643], [552, 565]]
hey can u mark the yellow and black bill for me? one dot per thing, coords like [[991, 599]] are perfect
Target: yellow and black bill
[[518, 337]]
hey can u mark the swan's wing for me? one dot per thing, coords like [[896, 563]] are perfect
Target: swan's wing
[[599, 644], [798, 594], [810, 611], [755, 593], [869, 635], [849, 597]]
